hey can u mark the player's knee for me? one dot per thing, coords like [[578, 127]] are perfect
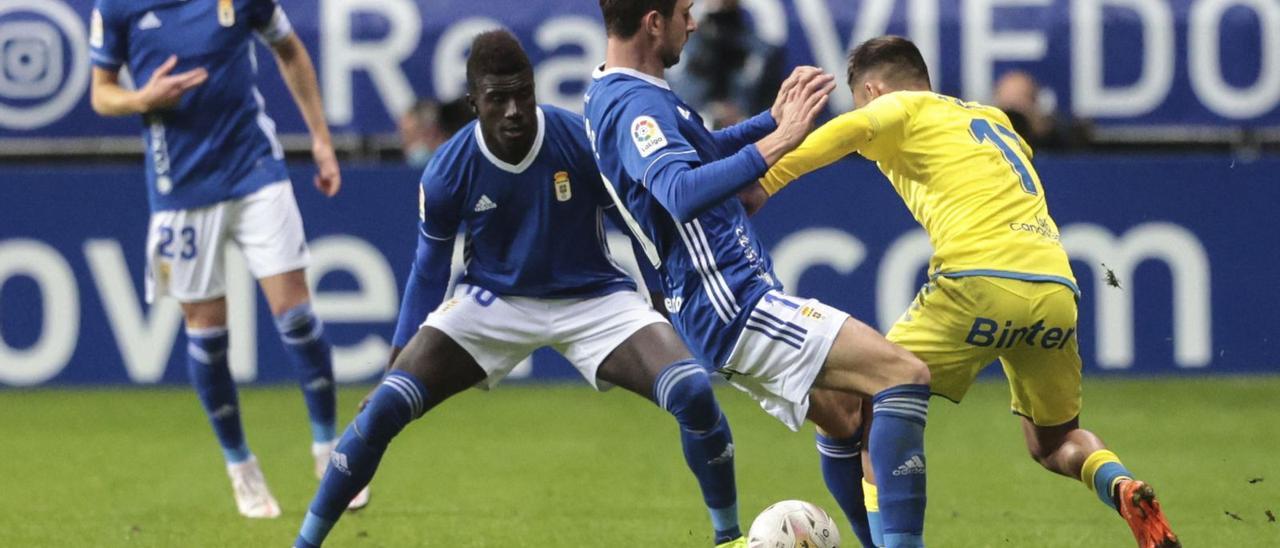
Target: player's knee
[[299, 325], [685, 392], [914, 370], [399, 400], [842, 425]]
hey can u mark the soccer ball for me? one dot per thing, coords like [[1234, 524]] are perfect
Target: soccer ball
[[793, 524]]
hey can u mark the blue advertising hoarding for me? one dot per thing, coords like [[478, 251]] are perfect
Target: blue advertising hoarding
[[1148, 63], [1190, 240]]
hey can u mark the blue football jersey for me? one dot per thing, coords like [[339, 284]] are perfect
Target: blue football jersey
[[713, 268], [535, 229], [217, 143]]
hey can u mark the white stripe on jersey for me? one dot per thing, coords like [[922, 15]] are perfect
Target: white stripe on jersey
[[603, 239], [268, 126], [650, 250], [644, 179], [724, 306], [719, 278]]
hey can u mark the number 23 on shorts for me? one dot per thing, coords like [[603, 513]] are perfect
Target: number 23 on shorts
[[184, 249]]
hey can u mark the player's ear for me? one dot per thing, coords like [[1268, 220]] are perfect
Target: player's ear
[[471, 102], [652, 23]]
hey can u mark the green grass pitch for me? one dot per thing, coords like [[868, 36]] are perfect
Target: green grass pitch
[[563, 466]]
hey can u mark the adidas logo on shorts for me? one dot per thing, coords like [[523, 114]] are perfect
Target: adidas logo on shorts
[[484, 204], [914, 465]]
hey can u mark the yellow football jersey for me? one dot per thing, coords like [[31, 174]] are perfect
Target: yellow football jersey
[[963, 172]]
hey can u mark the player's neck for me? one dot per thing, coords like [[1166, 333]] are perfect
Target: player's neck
[[511, 151], [631, 53]]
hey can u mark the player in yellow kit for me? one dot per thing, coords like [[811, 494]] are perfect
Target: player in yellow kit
[[1000, 285]]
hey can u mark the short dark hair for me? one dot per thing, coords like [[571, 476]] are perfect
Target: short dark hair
[[897, 56], [495, 52], [622, 17]]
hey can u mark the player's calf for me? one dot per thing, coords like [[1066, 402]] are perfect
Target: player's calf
[[303, 335], [839, 444], [399, 400], [684, 390], [862, 361]]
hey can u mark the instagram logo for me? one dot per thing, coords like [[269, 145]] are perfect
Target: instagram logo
[[44, 62]]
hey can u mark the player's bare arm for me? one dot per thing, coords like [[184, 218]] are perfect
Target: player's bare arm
[[162, 91], [300, 75]]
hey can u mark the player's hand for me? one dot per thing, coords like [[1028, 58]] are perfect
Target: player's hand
[[164, 90], [328, 178], [802, 106], [799, 77], [753, 198], [796, 115]]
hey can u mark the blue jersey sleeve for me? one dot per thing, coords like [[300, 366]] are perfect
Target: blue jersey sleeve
[[654, 152], [437, 228], [108, 36], [746, 132]]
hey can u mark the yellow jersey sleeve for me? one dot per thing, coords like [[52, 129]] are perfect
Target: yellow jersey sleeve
[[874, 130]]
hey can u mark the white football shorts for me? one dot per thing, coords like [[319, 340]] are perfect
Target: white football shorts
[[780, 351], [185, 247], [500, 332]]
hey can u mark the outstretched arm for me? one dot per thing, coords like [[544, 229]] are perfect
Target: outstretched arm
[[757, 127], [300, 75], [686, 188], [746, 132], [836, 139], [425, 289]]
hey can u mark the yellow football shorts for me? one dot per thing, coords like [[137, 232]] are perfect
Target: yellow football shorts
[[960, 325]]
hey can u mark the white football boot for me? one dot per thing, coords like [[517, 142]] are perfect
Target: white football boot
[[253, 498], [322, 452]]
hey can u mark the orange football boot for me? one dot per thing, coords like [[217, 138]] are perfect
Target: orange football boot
[[1139, 508]]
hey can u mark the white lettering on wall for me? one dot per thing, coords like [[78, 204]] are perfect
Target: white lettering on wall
[[60, 313], [1188, 265], [375, 300], [983, 45], [1091, 96], [1206, 59], [144, 337], [342, 56]]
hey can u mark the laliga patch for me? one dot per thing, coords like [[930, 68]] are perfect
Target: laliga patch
[[647, 135]]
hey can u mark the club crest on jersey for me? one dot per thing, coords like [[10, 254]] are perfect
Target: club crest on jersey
[[226, 13], [647, 135], [563, 191]]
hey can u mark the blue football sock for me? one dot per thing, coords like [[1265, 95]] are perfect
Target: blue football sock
[[397, 401], [842, 471], [211, 376], [897, 455], [309, 352], [684, 390]]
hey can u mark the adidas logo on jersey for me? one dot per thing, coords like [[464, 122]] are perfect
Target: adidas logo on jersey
[[914, 465], [484, 204], [149, 21]]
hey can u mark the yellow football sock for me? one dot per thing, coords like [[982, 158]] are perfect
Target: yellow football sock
[[1101, 470]]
